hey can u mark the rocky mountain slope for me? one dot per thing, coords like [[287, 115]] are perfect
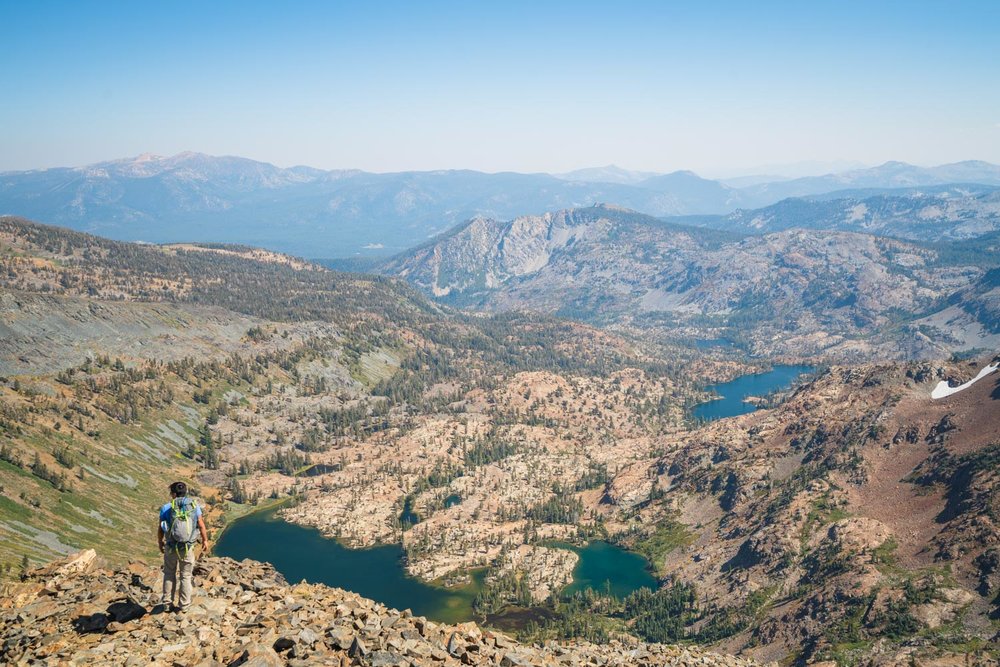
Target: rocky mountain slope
[[860, 505], [72, 612], [795, 292]]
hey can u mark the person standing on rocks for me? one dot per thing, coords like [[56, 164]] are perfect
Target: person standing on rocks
[[181, 525]]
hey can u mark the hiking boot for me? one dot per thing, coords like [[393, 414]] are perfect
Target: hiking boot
[[158, 609]]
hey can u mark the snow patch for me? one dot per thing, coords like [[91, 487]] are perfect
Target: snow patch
[[944, 389]]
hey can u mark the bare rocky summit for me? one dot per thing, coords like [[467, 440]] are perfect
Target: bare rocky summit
[[72, 612]]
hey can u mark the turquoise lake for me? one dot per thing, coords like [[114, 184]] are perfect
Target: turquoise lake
[[301, 553], [607, 568], [735, 392]]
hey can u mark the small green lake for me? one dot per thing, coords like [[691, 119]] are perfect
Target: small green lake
[[301, 553], [735, 392], [408, 518], [608, 569]]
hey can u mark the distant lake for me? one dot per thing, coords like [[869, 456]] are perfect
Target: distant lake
[[408, 518], [709, 343], [735, 392], [299, 552]]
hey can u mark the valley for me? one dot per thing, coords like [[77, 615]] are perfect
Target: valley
[[404, 409], [497, 463], [500, 334]]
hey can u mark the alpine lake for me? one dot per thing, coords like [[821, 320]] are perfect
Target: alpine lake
[[303, 553], [300, 552], [734, 394]]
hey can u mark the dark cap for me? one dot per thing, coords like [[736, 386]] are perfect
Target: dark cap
[[179, 489]]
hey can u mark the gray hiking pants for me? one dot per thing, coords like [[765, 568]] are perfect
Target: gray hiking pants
[[174, 561]]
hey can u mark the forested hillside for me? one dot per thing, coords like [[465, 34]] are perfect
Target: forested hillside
[[129, 355]]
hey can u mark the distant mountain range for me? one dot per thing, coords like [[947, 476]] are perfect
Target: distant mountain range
[[929, 213], [796, 291], [610, 174], [349, 213], [888, 175]]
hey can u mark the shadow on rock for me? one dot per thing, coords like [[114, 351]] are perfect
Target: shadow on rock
[[119, 612], [91, 623]]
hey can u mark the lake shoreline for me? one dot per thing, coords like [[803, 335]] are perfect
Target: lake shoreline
[[379, 572], [229, 519]]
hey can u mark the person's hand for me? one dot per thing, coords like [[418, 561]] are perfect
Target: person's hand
[[204, 545], [161, 547]]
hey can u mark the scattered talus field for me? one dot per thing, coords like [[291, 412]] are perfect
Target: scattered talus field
[[246, 614], [852, 519]]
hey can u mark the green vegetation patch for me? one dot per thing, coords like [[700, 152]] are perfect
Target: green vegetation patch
[[667, 537], [10, 509]]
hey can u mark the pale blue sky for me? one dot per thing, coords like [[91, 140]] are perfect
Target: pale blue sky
[[525, 86]]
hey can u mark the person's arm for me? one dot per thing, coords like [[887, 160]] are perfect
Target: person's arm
[[204, 533], [160, 537]]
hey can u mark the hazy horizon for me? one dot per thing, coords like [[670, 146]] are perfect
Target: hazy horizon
[[787, 170], [790, 170], [722, 89]]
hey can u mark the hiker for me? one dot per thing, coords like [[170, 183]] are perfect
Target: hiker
[[180, 526]]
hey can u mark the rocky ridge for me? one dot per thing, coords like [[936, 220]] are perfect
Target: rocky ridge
[[72, 612], [799, 292], [930, 214]]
